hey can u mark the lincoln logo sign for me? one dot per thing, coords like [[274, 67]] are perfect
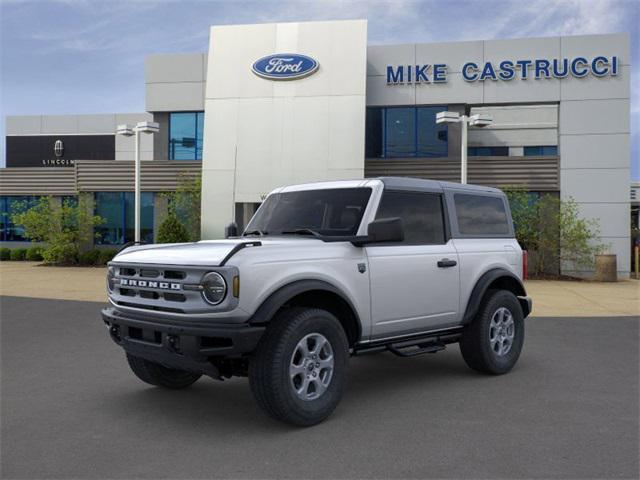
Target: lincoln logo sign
[[285, 66], [58, 148], [505, 70]]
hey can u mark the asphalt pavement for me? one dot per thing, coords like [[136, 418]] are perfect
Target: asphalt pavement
[[72, 409]]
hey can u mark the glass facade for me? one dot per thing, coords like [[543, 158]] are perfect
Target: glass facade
[[400, 132], [9, 232], [117, 209], [541, 151], [488, 151], [185, 135]]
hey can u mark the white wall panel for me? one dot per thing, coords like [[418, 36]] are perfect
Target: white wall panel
[[59, 124], [595, 151], [596, 185], [591, 87], [379, 56], [594, 117], [174, 68], [453, 54], [593, 45], [613, 220], [271, 133], [455, 90], [174, 97], [23, 125]]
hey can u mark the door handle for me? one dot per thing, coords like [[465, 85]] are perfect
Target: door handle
[[446, 263]]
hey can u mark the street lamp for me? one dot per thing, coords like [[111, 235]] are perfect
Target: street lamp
[[128, 131], [477, 120]]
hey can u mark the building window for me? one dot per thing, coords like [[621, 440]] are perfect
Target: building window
[[185, 135], [401, 132], [117, 209], [488, 151], [9, 232], [541, 151]]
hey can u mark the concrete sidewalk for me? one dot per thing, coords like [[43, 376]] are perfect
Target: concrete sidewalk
[[551, 298]]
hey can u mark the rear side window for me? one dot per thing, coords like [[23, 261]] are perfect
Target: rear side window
[[481, 215], [421, 215]]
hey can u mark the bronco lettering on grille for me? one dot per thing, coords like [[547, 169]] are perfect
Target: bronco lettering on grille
[[129, 282]]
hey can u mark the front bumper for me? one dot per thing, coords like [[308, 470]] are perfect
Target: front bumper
[[181, 345]]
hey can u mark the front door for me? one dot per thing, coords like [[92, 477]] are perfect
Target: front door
[[415, 284]]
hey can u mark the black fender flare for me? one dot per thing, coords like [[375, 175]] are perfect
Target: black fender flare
[[514, 283], [279, 298]]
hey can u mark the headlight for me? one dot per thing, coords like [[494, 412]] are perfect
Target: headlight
[[214, 288], [111, 272]]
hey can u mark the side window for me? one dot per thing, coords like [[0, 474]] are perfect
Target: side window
[[421, 214], [481, 215]]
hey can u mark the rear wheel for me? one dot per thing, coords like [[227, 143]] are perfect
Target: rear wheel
[[493, 341], [160, 376], [298, 372]]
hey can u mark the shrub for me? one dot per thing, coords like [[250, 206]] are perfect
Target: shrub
[[5, 254], [65, 254], [90, 257], [64, 227], [106, 256], [18, 254], [34, 254], [172, 231]]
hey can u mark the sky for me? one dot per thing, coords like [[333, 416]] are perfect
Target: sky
[[87, 56]]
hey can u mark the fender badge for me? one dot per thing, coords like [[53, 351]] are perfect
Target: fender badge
[[362, 267]]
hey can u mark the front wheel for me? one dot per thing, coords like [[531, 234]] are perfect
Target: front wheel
[[298, 372], [493, 341]]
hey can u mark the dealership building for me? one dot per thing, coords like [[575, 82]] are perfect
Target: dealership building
[[275, 104]]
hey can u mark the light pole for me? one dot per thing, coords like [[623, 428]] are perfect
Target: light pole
[[128, 131], [477, 120]]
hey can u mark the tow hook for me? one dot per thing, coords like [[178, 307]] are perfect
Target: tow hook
[[174, 343], [114, 331]]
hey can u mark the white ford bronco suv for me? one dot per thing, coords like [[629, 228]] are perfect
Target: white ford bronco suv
[[325, 271]]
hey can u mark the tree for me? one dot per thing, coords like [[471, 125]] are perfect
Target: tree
[[184, 203], [63, 227], [172, 231], [553, 231]]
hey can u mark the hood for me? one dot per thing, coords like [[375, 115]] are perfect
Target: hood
[[206, 253]]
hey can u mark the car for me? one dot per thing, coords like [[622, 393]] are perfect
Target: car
[[323, 272]]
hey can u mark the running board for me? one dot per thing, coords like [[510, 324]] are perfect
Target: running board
[[430, 342], [413, 349]]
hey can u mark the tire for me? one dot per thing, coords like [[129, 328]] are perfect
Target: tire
[[486, 345], [160, 376], [279, 366]]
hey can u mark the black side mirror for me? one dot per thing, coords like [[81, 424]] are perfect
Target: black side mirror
[[383, 230], [231, 230]]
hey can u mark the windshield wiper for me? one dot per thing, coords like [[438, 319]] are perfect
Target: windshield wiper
[[302, 231], [254, 232]]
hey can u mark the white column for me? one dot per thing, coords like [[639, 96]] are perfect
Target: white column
[[463, 152], [137, 186]]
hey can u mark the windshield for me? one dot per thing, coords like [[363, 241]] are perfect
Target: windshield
[[328, 212]]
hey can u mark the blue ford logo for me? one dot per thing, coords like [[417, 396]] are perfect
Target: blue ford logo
[[285, 66]]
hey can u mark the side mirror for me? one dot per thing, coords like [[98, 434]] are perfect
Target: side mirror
[[383, 230], [231, 230]]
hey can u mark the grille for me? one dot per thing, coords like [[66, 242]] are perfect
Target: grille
[[171, 289], [155, 288]]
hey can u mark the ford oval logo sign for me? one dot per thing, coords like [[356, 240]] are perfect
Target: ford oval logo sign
[[285, 66]]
